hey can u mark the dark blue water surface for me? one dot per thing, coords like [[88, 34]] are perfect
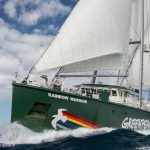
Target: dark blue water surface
[[119, 139], [17, 137]]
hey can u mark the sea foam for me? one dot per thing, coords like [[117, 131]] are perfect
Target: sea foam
[[17, 134]]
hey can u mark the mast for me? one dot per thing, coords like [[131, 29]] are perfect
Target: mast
[[141, 52], [94, 78]]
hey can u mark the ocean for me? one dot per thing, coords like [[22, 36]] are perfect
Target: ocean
[[17, 137]]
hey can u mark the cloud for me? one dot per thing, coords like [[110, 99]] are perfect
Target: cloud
[[8, 62], [18, 52], [22, 44], [46, 29], [10, 9], [30, 13]]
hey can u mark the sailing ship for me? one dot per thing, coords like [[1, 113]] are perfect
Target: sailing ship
[[97, 35]]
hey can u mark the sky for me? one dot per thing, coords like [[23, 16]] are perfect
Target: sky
[[26, 29]]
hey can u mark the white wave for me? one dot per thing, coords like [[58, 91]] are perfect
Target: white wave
[[17, 134], [144, 132], [143, 148]]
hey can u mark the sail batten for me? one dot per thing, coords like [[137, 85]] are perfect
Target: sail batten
[[95, 30]]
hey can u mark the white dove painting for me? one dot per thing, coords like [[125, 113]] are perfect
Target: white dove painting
[[58, 117]]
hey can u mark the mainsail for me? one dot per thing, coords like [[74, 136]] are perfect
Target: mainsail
[[135, 36], [134, 72], [95, 36]]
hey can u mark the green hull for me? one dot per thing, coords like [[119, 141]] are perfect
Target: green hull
[[35, 107]]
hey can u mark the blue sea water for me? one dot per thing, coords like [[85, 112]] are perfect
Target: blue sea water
[[17, 137]]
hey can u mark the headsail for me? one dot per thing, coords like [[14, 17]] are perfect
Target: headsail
[[94, 36]]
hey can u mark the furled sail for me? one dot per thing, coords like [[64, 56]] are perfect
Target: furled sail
[[95, 36]]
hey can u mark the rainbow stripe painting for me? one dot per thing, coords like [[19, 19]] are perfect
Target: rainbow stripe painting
[[73, 122]]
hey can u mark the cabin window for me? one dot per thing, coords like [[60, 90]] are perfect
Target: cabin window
[[99, 90], [82, 90], [93, 91], [87, 90], [114, 93], [126, 94]]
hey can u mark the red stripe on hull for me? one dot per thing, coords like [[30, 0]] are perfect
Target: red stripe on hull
[[87, 122]]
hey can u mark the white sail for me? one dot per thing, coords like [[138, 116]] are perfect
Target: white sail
[[92, 64], [135, 24], [135, 28], [134, 72], [94, 36]]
